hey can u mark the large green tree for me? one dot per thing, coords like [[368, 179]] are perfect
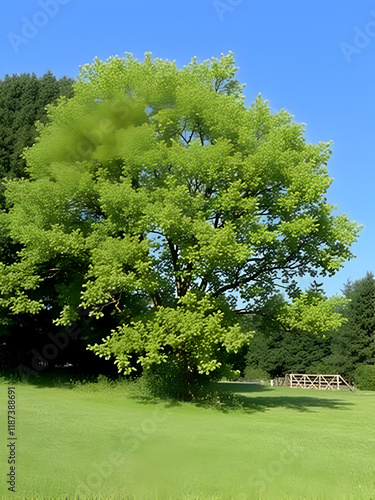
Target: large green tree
[[157, 197]]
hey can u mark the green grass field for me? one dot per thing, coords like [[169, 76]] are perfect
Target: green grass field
[[285, 444]]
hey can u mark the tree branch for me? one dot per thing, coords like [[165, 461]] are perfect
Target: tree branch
[[182, 137], [203, 285], [264, 315], [156, 299], [268, 267]]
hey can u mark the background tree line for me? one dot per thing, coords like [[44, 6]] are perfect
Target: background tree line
[[275, 351]]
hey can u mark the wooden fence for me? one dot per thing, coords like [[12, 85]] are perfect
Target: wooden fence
[[308, 381], [277, 381]]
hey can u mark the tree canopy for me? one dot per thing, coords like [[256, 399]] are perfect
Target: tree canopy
[[158, 198]]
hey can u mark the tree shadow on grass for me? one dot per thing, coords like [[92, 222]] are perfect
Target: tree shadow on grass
[[224, 396], [252, 398], [249, 398]]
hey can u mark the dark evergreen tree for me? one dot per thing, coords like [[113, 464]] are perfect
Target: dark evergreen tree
[[354, 344], [279, 350], [23, 99]]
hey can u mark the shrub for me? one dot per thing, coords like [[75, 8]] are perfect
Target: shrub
[[364, 377], [168, 381], [220, 400], [90, 383], [255, 373]]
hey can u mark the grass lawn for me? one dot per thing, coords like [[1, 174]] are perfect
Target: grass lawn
[[285, 444]]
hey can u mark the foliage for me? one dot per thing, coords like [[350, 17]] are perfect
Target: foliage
[[166, 381], [192, 340], [293, 337], [281, 352], [155, 185], [23, 99], [336, 343], [100, 383], [252, 373], [364, 377], [325, 366], [312, 312], [354, 343]]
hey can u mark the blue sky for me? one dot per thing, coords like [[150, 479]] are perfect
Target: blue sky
[[313, 58]]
